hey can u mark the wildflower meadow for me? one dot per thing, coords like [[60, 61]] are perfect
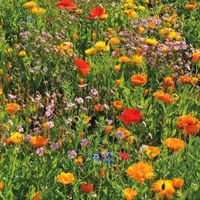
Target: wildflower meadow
[[99, 99]]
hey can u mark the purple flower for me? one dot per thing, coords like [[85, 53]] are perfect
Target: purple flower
[[84, 142]]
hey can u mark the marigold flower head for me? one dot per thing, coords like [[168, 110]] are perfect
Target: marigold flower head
[[118, 105], [30, 4], [174, 144], [177, 183], [130, 193], [124, 59], [150, 41], [188, 124], [123, 133], [22, 53], [114, 41], [164, 188], [15, 138], [137, 59], [168, 82], [96, 13], [38, 141], [195, 57], [140, 79], [101, 46], [90, 52], [108, 129], [117, 68], [98, 107], [12, 108], [66, 178], [165, 97], [38, 10], [152, 151], [140, 171], [190, 6]]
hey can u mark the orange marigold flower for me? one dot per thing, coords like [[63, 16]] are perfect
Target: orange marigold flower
[[190, 6], [168, 82], [38, 141], [102, 172], [98, 107], [108, 129], [124, 59], [186, 79], [178, 182], [122, 132], [65, 178], [152, 151], [164, 188], [79, 160], [12, 108], [140, 171], [1, 185], [165, 97], [195, 57], [118, 82], [117, 68], [15, 138], [37, 196], [118, 105], [188, 124], [130, 193], [75, 36], [174, 144], [140, 79]]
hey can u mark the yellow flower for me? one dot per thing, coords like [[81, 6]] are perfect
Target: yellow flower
[[101, 46], [38, 10], [15, 138], [79, 11], [9, 52], [104, 16], [79, 160], [137, 59], [150, 41], [22, 53], [172, 35], [1, 91], [66, 178], [152, 151], [132, 14], [114, 41], [30, 4], [140, 171], [90, 52], [164, 188], [130, 193]]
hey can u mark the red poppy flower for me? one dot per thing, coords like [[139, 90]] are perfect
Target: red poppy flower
[[123, 156], [96, 13], [66, 4], [130, 115], [87, 187], [83, 66]]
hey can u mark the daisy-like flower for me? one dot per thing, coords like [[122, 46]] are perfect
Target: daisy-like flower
[[188, 124], [140, 171], [164, 188], [174, 144]]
